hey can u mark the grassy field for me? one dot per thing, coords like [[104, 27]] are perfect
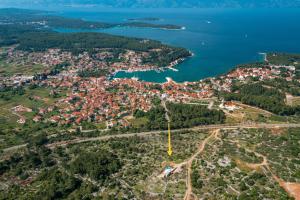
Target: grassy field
[[293, 101], [33, 99], [138, 122], [9, 69], [247, 114], [284, 59], [101, 125]]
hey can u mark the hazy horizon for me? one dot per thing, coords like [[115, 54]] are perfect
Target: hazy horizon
[[154, 3]]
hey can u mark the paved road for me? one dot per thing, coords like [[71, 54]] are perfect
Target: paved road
[[144, 134], [163, 103]]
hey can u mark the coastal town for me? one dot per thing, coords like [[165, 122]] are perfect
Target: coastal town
[[102, 99], [107, 61]]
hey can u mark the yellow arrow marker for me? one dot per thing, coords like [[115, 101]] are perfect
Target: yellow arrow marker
[[169, 141]]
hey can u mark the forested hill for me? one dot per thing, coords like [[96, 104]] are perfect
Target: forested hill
[[31, 39], [161, 3]]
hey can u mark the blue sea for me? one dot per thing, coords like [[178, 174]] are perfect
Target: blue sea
[[219, 38]]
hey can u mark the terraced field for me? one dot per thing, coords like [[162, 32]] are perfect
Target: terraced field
[[226, 163]]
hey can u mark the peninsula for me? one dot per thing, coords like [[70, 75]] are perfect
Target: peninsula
[[44, 19]]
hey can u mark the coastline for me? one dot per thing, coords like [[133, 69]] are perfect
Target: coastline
[[171, 66], [265, 55], [170, 80]]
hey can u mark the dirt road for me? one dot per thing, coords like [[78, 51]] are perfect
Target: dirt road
[[189, 163], [293, 189]]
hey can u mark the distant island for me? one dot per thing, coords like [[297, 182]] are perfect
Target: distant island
[[44, 19], [144, 19], [147, 25]]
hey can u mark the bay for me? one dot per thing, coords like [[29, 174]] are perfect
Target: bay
[[219, 38]]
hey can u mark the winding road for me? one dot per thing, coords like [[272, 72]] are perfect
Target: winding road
[[189, 163]]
